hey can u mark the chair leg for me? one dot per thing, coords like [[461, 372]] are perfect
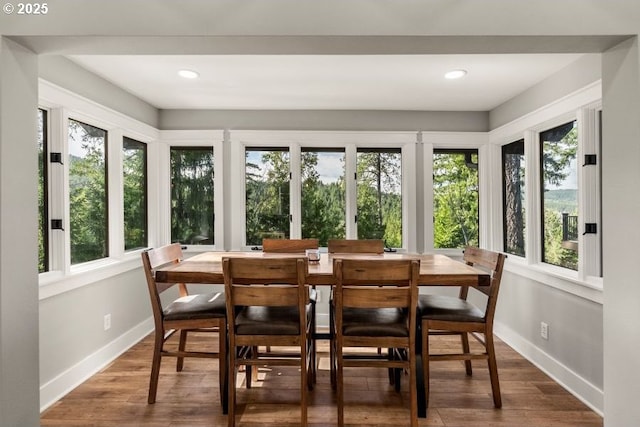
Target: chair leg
[[465, 349], [223, 367], [411, 356], [425, 361], [493, 369], [304, 383], [155, 366], [340, 386], [181, 346], [231, 414]]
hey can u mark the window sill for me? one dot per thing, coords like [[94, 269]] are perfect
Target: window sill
[[558, 278], [56, 282]]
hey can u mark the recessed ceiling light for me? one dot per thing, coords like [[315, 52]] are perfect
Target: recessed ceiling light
[[188, 74], [455, 74]]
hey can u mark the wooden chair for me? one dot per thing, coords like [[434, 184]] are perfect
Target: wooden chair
[[188, 313], [268, 305], [352, 246], [375, 306], [443, 315], [298, 246], [355, 246], [288, 245]]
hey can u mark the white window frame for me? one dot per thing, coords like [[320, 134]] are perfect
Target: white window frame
[[432, 141], [61, 105], [295, 141], [189, 138], [583, 106]]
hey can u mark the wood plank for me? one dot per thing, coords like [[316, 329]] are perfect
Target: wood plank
[[116, 396]]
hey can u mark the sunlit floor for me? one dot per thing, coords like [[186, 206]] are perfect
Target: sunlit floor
[[117, 396]]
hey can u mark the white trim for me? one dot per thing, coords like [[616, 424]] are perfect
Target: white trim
[[588, 393], [55, 389], [557, 277], [512, 131], [55, 282]]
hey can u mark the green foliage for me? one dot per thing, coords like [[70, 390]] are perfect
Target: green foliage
[[323, 204], [42, 217], [379, 197], [134, 194], [455, 198], [267, 197], [87, 192], [559, 148], [192, 196]]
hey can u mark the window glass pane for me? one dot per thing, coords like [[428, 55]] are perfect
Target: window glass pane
[[87, 192], [560, 195], [134, 181], [455, 198], [323, 194], [513, 169], [192, 195], [267, 176], [43, 244], [379, 189]]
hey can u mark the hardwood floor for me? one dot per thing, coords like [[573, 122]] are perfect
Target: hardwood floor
[[117, 396]]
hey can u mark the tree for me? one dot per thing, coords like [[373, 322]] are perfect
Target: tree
[[513, 157], [192, 195], [87, 192], [379, 196], [559, 148], [455, 196]]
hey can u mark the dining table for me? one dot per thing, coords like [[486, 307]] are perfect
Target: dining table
[[435, 270]]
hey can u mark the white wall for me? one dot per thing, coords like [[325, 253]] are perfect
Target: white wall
[[18, 236]]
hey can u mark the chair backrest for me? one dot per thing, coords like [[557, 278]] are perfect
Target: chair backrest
[[288, 245], [251, 281], [152, 259], [493, 263], [355, 246], [376, 284]]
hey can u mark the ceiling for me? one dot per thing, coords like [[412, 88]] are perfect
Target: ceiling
[[326, 82]]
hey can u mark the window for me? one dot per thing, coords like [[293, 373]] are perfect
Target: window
[[379, 195], [513, 194], [558, 148], [192, 214], [323, 194], [134, 182], [455, 198], [267, 178], [43, 216], [87, 192]]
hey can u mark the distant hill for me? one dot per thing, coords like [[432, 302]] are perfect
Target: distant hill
[[562, 200]]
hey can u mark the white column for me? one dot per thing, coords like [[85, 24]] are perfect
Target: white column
[[621, 234], [19, 329]]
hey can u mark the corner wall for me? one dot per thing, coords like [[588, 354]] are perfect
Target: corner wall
[[18, 261]]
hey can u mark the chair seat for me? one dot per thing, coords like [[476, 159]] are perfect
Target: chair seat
[[451, 309], [199, 306], [375, 322], [263, 320]]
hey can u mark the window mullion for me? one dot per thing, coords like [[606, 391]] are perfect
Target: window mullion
[[533, 244], [115, 193], [59, 242], [351, 207], [588, 257], [295, 190]]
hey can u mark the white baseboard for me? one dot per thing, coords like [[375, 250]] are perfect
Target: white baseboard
[[55, 389], [589, 394]]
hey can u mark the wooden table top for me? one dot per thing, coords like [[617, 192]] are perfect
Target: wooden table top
[[435, 269]]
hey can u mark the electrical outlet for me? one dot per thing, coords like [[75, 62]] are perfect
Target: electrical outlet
[[107, 322], [544, 330]]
